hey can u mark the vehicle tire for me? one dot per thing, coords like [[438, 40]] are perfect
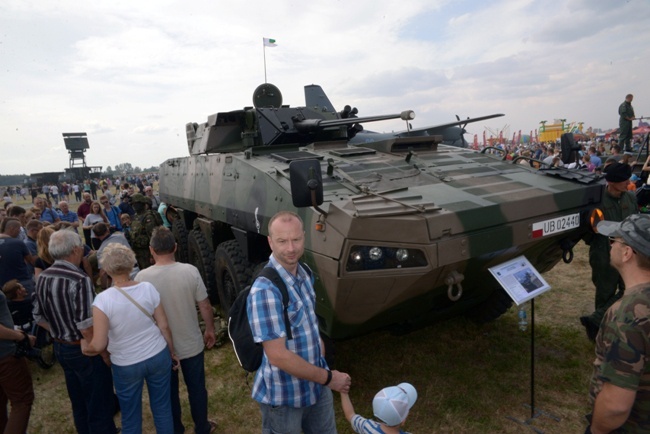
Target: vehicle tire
[[46, 358], [233, 273], [201, 256], [492, 308], [180, 234]]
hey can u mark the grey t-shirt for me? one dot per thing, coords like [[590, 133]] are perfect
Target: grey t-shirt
[[180, 287]]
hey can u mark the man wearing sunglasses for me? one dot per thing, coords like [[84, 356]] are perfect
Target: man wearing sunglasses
[[620, 385], [617, 204]]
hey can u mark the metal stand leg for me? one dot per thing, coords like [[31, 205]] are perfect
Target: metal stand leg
[[534, 412]]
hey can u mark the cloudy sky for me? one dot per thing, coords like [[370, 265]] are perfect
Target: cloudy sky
[[132, 73]]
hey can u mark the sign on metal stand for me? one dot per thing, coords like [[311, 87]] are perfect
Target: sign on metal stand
[[523, 282]]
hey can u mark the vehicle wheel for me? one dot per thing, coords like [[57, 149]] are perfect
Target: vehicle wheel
[[492, 308], [200, 255], [233, 273], [46, 358], [180, 234]]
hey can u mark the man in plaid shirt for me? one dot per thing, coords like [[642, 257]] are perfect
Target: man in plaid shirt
[[294, 384]]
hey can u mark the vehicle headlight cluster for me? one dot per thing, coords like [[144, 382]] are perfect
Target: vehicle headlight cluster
[[383, 258]]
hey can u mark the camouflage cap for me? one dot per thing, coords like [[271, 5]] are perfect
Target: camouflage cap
[[148, 201], [138, 198], [635, 230]]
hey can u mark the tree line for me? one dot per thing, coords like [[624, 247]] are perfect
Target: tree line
[[119, 169]]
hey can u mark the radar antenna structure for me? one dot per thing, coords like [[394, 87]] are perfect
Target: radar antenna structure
[[76, 144]]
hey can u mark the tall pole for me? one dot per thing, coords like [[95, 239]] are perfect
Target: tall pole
[[264, 50]]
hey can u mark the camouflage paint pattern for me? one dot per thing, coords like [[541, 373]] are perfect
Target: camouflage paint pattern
[[463, 211]]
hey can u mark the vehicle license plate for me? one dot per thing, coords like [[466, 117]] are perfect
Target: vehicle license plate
[[558, 224]]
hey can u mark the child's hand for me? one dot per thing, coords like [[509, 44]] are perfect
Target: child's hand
[[348, 408]]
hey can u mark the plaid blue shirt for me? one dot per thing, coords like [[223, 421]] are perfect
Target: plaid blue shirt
[[273, 386]]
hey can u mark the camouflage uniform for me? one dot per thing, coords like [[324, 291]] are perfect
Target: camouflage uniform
[[623, 352], [141, 230], [605, 278], [625, 110]]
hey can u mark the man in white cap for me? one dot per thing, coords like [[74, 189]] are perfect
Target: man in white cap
[[620, 385], [390, 406]]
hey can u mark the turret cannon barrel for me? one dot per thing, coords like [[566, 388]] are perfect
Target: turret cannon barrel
[[311, 125]]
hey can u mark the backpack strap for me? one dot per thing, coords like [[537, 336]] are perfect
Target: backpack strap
[[272, 274], [307, 269]]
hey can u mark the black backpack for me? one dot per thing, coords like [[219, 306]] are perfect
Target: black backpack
[[248, 352]]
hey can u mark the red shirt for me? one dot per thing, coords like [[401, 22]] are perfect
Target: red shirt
[[83, 210]]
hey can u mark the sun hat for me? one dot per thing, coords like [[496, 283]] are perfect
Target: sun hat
[[391, 405]]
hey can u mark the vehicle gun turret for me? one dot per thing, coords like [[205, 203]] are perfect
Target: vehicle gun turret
[[269, 123]]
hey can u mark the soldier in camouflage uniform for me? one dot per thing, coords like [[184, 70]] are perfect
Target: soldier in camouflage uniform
[[144, 222], [620, 386], [626, 116], [617, 204]]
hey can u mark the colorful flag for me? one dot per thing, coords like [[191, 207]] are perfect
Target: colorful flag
[[268, 42]]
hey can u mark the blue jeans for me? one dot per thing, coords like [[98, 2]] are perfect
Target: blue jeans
[[90, 389], [194, 376], [316, 419], [128, 385]]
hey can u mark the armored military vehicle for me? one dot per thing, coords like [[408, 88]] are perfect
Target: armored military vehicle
[[399, 232]]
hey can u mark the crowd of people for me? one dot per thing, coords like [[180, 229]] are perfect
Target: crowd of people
[[591, 156], [119, 319], [119, 309], [72, 191]]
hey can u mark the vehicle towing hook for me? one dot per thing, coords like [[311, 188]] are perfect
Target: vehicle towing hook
[[567, 251], [454, 278]]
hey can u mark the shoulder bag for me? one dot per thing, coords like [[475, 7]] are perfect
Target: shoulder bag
[[135, 303]]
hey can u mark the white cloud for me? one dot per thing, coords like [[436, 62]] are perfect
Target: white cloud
[[131, 74], [150, 128]]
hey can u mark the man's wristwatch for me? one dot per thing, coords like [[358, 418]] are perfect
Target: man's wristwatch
[[329, 377]]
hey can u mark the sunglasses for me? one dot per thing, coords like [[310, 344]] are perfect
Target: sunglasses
[[613, 240]]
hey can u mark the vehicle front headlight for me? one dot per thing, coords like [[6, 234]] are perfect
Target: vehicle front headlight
[[384, 258], [375, 253], [402, 255]]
